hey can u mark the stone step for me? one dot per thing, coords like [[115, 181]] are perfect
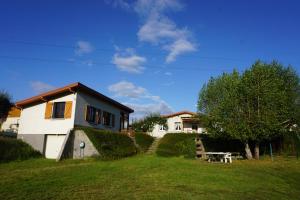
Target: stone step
[[153, 147]]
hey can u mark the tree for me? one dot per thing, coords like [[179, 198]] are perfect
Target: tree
[[5, 105], [253, 106], [147, 123]]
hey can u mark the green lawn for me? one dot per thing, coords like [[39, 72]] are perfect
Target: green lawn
[[150, 177]]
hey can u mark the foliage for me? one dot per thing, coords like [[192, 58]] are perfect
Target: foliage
[[5, 104], [177, 144], [144, 141], [110, 145], [14, 149], [183, 144], [147, 123], [259, 104]]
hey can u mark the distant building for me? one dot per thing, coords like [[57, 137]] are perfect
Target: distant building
[[11, 123], [179, 122]]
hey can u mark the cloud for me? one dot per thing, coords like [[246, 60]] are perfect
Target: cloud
[[83, 47], [168, 73], [128, 90], [158, 29], [119, 4], [39, 87], [129, 61], [141, 110], [180, 46]]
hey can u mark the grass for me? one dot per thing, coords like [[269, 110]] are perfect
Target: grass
[[150, 177]]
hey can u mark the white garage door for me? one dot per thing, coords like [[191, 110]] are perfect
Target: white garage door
[[53, 145]]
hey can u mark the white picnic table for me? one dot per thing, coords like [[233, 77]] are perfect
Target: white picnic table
[[224, 156]]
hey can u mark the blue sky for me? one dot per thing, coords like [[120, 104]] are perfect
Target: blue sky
[[152, 55]]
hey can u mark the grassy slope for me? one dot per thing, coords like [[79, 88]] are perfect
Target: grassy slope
[[150, 177]]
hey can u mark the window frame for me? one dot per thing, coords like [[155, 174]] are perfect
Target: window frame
[[93, 115], [54, 110], [178, 126]]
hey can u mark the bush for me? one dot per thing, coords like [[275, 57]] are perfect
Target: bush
[[183, 144], [14, 149], [144, 141], [177, 144], [110, 145]]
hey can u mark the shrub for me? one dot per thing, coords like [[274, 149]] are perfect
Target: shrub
[[14, 149], [144, 141], [110, 145], [183, 144], [177, 144]]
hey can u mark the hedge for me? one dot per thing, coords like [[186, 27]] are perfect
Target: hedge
[[14, 149], [110, 145], [177, 144], [144, 141], [183, 144]]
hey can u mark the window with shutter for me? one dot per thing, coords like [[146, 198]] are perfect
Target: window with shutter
[[59, 110]]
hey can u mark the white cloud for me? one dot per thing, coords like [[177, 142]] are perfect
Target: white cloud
[[168, 73], [180, 46], [119, 3], [158, 29], [129, 61], [128, 90], [39, 87], [83, 47], [140, 110]]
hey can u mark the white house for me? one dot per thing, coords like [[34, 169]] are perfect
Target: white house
[[11, 123], [47, 118], [179, 122]]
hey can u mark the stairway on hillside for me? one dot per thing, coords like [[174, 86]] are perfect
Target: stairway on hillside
[[153, 147]]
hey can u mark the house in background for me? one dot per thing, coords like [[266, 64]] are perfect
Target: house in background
[[179, 122], [11, 123], [46, 119]]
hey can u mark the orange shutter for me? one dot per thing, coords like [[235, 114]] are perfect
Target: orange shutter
[[68, 109], [86, 112], [48, 111]]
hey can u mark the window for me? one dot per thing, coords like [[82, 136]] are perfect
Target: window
[[93, 115], [59, 110], [177, 126], [113, 120], [162, 128], [106, 118], [195, 127]]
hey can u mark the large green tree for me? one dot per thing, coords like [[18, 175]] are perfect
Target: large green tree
[[255, 105]]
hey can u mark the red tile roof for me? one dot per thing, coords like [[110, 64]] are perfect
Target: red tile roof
[[179, 113], [74, 87]]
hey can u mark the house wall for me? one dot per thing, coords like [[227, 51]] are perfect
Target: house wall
[[10, 124], [33, 125], [83, 100], [171, 126]]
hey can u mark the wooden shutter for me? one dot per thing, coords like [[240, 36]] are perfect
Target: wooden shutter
[[68, 109], [98, 116], [86, 112], [48, 111]]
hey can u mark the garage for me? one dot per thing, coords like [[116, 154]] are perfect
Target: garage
[[53, 145]]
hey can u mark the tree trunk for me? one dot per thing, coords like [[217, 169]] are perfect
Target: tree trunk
[[256, 151], [248, 151]]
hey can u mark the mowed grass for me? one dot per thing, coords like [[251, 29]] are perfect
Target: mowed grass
[[150, 177]]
